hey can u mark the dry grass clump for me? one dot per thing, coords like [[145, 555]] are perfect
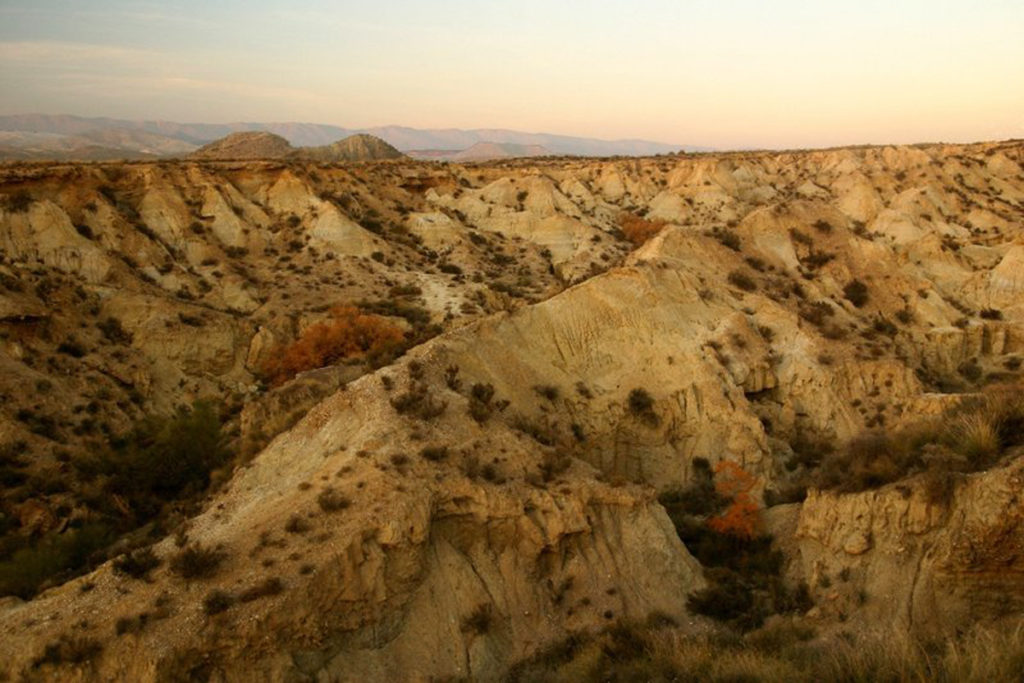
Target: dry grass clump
[[638, 230]]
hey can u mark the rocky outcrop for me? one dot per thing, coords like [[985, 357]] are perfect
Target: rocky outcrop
[[386, 574], [899, 555]]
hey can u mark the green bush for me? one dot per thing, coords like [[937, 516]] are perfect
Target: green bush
[[163, 459], [56, 557]]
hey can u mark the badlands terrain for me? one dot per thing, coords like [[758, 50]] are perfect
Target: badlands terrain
[[687, 417]]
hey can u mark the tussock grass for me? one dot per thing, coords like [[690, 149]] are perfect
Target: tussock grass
[[785, 652]]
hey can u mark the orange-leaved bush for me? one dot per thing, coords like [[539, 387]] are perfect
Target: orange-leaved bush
[[638, 230], [349, 333], [741, 517]]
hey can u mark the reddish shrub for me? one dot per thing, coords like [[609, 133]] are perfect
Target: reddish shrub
[[638, 230], [741, 517], [350, 333]]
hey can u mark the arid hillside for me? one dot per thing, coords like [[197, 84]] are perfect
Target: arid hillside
[[524, 420]]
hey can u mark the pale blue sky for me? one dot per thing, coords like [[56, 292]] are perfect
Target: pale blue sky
[[723, 73]]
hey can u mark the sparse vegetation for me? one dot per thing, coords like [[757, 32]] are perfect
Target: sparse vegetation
[[785, 652], [967, 438]]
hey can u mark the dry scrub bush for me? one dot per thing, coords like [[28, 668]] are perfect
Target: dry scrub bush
[[197, 562], [349, 334], [969, 437], [638, 230]]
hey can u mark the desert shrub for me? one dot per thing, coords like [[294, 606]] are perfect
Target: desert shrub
[[196, 562], [434, 453], [640, 401], [480, 406], [816, 312], [132, 624], [19, 202], [856, 292], [738, 278], [548, 391], [162, 459], [542, 430], [822, 225], [137, 564], [727, 238], [800, 237], [348, 334], [332, 500], [405, 290], [55, 557], [991, 314], [114, 332], [72, 347], [638, 230], [297, 524], [815, 259], [417, 401], [884, 326], [554, 464], [451, 378], [217, 601]]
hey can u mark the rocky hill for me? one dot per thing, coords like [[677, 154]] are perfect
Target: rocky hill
[[582, 391], [360, 147], [249, 145]]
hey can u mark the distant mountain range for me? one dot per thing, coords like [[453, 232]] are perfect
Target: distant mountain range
[[35, 136]]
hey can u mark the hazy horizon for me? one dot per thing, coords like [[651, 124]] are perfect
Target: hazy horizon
[[724, 75]]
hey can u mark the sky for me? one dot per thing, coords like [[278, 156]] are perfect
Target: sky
[[719, 73]]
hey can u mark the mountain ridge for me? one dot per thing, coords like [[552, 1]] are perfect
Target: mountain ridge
[[403, 138]]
